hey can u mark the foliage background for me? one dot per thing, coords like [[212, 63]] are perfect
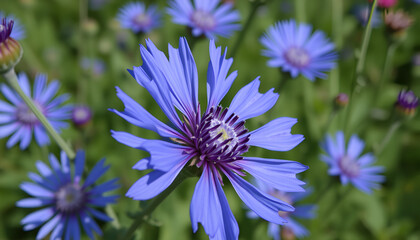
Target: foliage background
[[59, 33]]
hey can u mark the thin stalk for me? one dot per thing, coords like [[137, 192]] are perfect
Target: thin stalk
[[184, 174], [394, 127], [386, 71], [361, 62], [11, 78], [337, 24], [254, 7], [300, 10]]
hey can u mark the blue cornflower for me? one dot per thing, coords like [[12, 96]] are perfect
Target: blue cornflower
[[416, 1], [206, 17], [66, 201], [136, 17], [349, 165], [213, 141], [362, 12], [18, 31], [291, 47], [292, 227], [18, 120]]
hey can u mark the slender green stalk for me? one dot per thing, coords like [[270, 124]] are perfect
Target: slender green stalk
[[361, 62], [394, 127], [341, 196], [184, 174], [254, 7], [300, 10], [337, 25], [386, 71], [11, 78]]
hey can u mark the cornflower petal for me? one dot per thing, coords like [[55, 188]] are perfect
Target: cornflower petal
[[276, 136]]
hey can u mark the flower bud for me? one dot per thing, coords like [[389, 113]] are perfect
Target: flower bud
[[341, 100], [81, 115], [397, 22], [407, 103], [10, 50], [386, 3]]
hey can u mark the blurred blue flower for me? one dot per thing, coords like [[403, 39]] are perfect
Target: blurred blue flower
[[17, 119], [291, 47], [81, 115], [95, 65], [207, 17], [136, 17], [292, 227], [416, 1], [97, 4], [18, 31], [213, 141], [349, 165], [362, 12], [64, 199]]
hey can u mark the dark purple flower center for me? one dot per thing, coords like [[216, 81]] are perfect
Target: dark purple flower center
[[297, 57], [408, 101], [70, 198], [349, 166], [141, 20], [203, 19], [25, 115], [5, 29], [216, 138]]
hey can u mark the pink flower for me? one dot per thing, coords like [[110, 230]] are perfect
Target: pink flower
[[386, 3]]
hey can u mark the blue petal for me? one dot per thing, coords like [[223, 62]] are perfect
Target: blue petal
[[102, 201], [88, 224], [163, 155], [299, 230], [151, 77], [48, 227], [26, 137], [41, 136], [79, 165], [11, 95], [181, 75], [39, 216], [154, 183], [72, 229], [280, 174], [305, 211], [40, 82], [249, 103], [49, 92], [355, 147], [218, 83], [209, 206], [16, 137], [43, 169], [24, 84], [65, 167], [105, 187], [135, 114], [98, 170], [57, 233], [8, 129], [100, 215], [274, 231], [35, 190], [33, 202], [6, 107], [6, 118], [275, 135], [264, 205]]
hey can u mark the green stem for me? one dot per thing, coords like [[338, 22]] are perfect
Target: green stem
[[330, 119], [11, 78], [184, 174], [300, 10], [394, 127], [386, 71], [254, 7], [360, 63], [337, 24]]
